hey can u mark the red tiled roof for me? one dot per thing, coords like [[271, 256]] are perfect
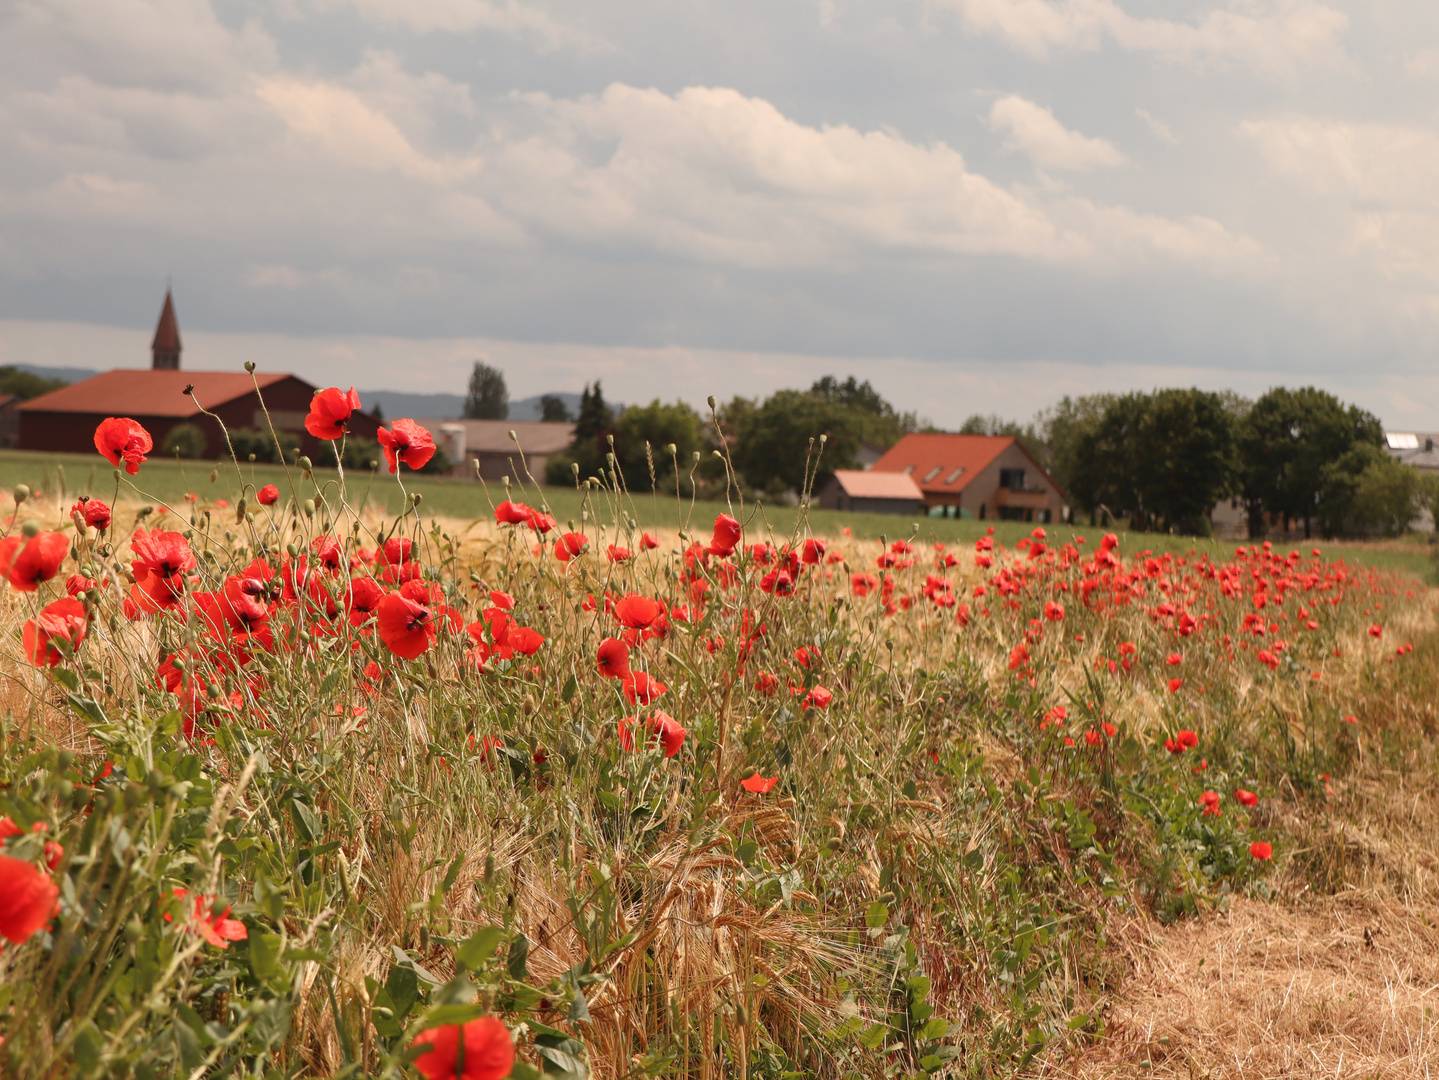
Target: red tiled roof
[[933, 460], [869, 484], [167, 331], [131, 392]]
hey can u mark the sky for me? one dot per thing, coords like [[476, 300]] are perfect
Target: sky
[[979, 205]]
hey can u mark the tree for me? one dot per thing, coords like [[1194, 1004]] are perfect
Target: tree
[[875, 419], [589, 446], [1062, 428], [487, 398], [26, 385], [771, 442], [1184, 458], [1104, 475], [659, 426], [553, 409], [1028, 435], [1366, 490], [1286, 440], [184, 440]]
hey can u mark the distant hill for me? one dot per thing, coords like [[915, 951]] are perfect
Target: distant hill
[[65, 374], [397, 403]]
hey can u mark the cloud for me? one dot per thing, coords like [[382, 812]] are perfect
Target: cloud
[[1273, 38], [1162, 131], [1033, 130], [468, 16]]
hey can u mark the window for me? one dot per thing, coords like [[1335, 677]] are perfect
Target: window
[[952, 477], [929, 476], [909, 469], [1013, 479]]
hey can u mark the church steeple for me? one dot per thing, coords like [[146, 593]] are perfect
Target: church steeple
[[165, 349]]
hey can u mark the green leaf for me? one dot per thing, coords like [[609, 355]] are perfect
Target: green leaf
[[518, 965], [306, 823], [264, 955], [936, 1028], [579, 1008], [89, 709], [448, 1015], [872, 1037], [569, 691], [876, 915], [562, 1064], [476, 949]]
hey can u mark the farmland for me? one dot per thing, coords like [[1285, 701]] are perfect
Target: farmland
[[663, 791]]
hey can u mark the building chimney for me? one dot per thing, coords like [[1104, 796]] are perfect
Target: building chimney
[[165, 349]]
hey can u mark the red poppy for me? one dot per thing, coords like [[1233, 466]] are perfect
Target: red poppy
[[267, 495], [616, 554], [726, 535], [1247, 798], [512, 513], [813, 551], [29, 562], [1174, 659], [766, 684], [758, 784], [614, 659], [62, 620], [363, 596], [818, 698], [122, 439], [648, 542], [488, 1052], [92, 512], [540, 521], [330, 411], [1261, 849], [570, 545], [641, 688], [1054, 612], [638, 612], [664, 730], [218, 929], [1376, 631], [406, 442], [28, 899], [524, 639], [1188, 739], [406, 628], [1174, 685]]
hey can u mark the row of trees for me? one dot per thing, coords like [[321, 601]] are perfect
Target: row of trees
[[767, 440], [1293, 458]]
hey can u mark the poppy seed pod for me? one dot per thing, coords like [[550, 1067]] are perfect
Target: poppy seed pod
[[22, 492], [250, 367]]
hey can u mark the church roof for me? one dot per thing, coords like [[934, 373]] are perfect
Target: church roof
[[167, 331]]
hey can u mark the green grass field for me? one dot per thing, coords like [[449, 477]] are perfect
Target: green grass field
[[159, 481]]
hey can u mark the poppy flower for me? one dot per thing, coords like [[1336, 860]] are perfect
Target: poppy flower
[[488, 1053], [1174, 659], [648, 542], [1376, 631], [406, 442], [570, 545], [1246, 798], [664, 731], [1261, 849], [766, 684], [641, 688], [614, 659], [330, 412], [92, 512], [539, 521], [1188, 739], [121, 439], [726, 535], [61, 620], [267, 495], [1054, 612], [29, 562], [525, 640], [217, 929], [813, 551], [818, 698], [406, 628], [1174, 685], [638, 612], [28, 899], [512, 513], [758, 784]]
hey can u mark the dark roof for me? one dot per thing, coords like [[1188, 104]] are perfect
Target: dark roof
[[167, 331], [147, 392]]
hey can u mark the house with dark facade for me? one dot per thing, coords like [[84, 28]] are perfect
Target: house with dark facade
[[163, 396], [979, 476], [864, 491]]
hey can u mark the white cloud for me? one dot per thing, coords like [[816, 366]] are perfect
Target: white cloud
[[1033, 130], [1274, 38]]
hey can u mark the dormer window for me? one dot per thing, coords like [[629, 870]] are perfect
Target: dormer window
[[952, 477], [929, 476], [909, 470]]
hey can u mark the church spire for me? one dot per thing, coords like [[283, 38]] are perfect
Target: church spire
[[165, 349]]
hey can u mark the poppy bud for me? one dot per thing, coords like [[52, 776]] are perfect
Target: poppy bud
[[292, 550], [252, 458], [22, 492], [671, 449], [513, 437], [250, 366], [309, 507], [718, 455], [696, 456], [374, 464], [30, 528], [711, 400], [133, 930], [214, 475], [304, 463], [418, 498], [489, 868], [240, 514]]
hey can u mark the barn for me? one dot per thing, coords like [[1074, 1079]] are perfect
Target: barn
[[163, 396]]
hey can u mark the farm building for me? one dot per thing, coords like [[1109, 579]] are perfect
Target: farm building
[[868, 492], [65, 420], [488, 442], [981, 476]]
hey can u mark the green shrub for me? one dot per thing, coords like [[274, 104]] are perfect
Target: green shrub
[[185, 440], [261, 444]]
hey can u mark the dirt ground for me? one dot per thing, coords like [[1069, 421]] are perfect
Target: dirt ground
[[1344, 986]]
